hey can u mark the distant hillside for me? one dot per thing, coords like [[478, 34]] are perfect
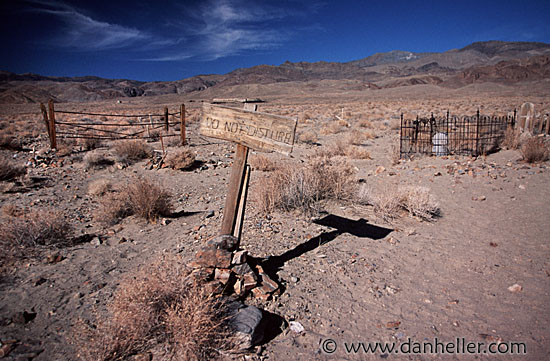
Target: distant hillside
[[490, 61]]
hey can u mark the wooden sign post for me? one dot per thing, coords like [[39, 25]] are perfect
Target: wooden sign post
[[247, 128]]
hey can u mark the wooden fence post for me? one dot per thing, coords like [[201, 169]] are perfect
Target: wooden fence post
[[166, 117], [182, 125], [45, 118], [53, 140]]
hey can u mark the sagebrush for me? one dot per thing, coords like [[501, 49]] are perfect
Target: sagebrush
[[302, 187], [391, 202], [141, 197], [25, 233], [160, 309], [535, 150]]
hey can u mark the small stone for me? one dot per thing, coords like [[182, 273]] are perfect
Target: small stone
[[212, 257], [521, 186], [260, 294], [294, 279], [54, 258], [96, 241], [515, 288], [247, 325], [210, 214], [226, 241], [222, 275], [268, 284], [242, 269], [122, 240], [239, 257], [379, 169], [165, 221], [250, 280], [296, 326]]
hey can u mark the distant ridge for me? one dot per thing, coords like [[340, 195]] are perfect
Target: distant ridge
[[488, 61]]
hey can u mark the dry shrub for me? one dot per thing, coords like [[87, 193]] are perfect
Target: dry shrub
[[357, 152], [308, 137], [142, 198], [419, 202], [9, 170], [333, 127], [90, 143], [99, 187], [159, 309], [22, 233], [131, 151], [512, 138], [303, 187], [114, 207], [262, 163], [148, 200], [395, 124], [10, 142], [389, 204], [181, 159], [365, 123], [395, 154], [97, 160], [535, 150], [340, 148]]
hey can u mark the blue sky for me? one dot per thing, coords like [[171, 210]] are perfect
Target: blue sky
[[171, 40]]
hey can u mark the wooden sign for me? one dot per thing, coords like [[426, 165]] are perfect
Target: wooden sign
[[259, 131]]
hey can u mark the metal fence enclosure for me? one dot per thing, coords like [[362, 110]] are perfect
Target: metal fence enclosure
[[462, 135]]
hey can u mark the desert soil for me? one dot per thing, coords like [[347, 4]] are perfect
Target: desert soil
[[346, 274]]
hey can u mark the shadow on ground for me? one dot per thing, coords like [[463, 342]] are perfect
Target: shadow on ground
[[359, 228]]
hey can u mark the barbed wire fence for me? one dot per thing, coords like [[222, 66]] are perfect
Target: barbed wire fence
[[149, 126]]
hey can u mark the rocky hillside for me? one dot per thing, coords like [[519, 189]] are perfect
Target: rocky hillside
[[492, 61]]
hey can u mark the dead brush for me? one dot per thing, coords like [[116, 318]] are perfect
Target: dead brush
[[181, 159], [535, 150], [390, 203], [512, 138], [292, 187], [141, 197], [131, 151], [9, 170], [97, 160], [148, 200], [10, 142], [23, 234], [262, 163], [308, 137], [340, 148], [159, 309]]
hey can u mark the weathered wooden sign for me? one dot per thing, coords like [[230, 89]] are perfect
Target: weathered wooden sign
[[259, 131]]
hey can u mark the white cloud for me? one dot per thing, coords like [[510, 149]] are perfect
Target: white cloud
[[84, 33], [223, 28]]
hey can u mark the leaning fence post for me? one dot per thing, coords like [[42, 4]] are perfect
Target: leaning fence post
[[45, 118], [166, 117], [182, 125], [477, 134], [401, 138], [53, 141]]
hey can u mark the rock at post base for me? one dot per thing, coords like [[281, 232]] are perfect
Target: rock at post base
[[246, 323]]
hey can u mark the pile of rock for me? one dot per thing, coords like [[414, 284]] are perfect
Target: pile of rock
[[228, 269]]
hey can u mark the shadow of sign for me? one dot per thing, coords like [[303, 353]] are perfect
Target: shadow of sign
[[359, 228]]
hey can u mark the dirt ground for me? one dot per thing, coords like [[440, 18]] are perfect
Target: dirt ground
[[347, 275]]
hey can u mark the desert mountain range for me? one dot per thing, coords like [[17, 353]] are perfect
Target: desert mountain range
[[506, 63]]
